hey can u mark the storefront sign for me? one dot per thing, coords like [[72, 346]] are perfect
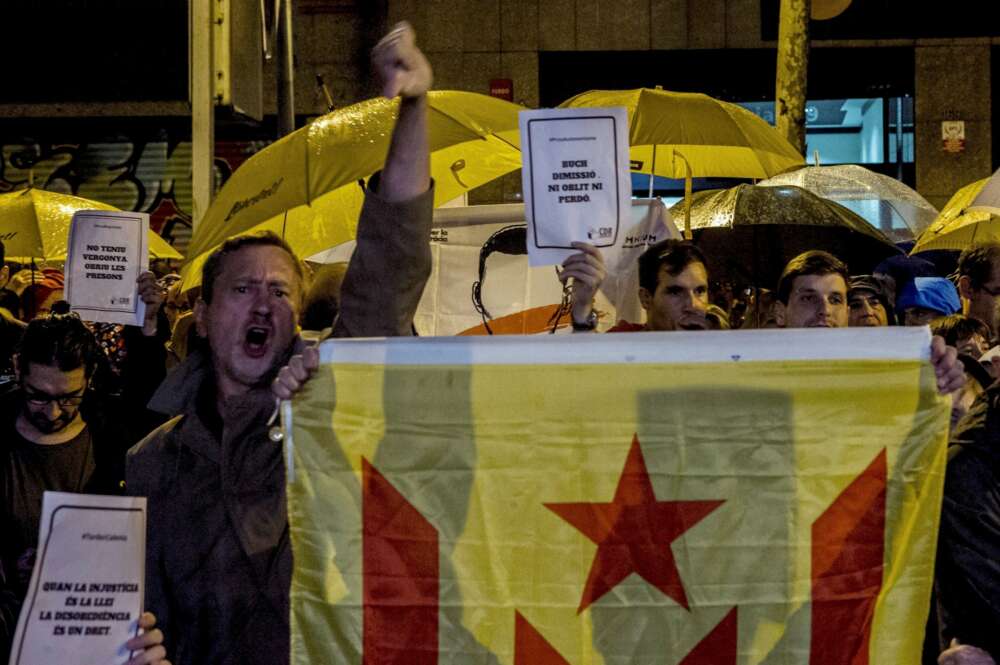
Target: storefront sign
[[502, 89]]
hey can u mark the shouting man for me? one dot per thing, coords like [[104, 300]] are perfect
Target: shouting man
[[219, 561]]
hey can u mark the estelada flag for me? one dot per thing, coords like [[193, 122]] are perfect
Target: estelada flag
[[693, 498]]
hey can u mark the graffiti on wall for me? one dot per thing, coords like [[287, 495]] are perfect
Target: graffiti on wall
[[143, 176]]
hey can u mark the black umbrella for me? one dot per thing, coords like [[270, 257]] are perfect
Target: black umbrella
[[749, 233]]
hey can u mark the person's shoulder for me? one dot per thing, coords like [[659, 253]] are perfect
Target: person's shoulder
[[10, 403], [970, 471], [146, 460], [972, 428], [158, 442], [973, 471]]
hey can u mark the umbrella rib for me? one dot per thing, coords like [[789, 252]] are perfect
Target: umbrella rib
[[306, 178], [483, 134], [892, 207], [475, 129], [750, 144], [500, 138]]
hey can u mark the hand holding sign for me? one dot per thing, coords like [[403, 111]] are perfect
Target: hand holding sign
[[22, 279], [149, 643], [152, 295], [588, 272]]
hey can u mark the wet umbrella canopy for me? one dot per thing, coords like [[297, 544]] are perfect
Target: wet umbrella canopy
[[961, 223], [887, 204], [748, 233], [34, 224], [691, 135], [305, 186], [715, 138]]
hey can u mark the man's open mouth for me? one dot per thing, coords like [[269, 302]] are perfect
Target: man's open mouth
[[255, 342]]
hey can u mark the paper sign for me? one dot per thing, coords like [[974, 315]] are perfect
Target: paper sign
[[107, 253], [575, 178], [953, 135], [86, 589]]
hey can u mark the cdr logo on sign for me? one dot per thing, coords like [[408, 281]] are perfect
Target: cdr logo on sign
[[600, 233]]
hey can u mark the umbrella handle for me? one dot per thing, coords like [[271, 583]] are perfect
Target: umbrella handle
[[687, 195], [652, 172]]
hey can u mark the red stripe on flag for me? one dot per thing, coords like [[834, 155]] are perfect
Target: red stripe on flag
[[400, 586], [848, 551], [719, 647], [530, 648]]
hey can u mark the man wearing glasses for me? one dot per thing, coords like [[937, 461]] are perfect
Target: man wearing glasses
[[979, 284], [56, 435]]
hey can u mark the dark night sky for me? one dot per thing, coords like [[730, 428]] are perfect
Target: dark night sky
[[94, 51]]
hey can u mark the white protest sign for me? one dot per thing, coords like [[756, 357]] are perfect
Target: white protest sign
[[86, 590], [575, 179], [107, 253]]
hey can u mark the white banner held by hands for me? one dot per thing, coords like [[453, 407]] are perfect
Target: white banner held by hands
[[107, 253], [87, 586], [575, 179]]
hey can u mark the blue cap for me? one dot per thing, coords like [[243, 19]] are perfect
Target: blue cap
[[935, 293]]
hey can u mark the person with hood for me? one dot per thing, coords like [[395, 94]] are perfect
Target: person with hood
[[927, 298]]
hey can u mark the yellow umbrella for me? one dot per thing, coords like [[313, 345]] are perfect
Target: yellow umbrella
[[688, 134], [304, 186], [960, 224], [34, 224]]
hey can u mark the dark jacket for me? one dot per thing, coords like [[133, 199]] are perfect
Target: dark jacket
[[219, 561], [968, 561], [17, 538], [114, 423]]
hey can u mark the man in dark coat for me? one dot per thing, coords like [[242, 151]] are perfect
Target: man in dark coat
[[968, 561], [59, 434], [218, 555]]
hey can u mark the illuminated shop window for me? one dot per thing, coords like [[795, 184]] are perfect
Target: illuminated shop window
[[854, 131], [838, 131]]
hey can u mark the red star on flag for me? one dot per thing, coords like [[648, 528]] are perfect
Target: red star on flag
[[634, 532]]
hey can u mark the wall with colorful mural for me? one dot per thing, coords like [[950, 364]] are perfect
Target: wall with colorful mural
[[151, 176]]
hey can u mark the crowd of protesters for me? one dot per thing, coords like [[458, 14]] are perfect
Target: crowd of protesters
[[92, 408]]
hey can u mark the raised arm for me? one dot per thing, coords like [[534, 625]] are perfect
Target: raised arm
[[392, 261], [404, 71]]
